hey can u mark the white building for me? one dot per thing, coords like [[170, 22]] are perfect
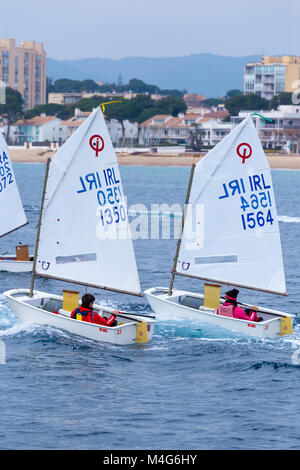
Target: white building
[[114, 128], [71, 124], [166, 129], [116, 132], [38, 129], [283, 133]]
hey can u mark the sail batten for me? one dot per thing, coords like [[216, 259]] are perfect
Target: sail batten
[[84, 235], [219, 281], [85, 284], [12, 215], [231, 233]]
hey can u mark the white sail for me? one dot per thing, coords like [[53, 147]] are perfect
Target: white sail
[[12, 214], [84, 230], [231, 232]]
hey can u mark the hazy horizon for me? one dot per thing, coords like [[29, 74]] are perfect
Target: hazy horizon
[[163, 57], [157, 29]]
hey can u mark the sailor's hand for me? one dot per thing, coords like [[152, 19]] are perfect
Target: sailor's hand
[[254, 308]]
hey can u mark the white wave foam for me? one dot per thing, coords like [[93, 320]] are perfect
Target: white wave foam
[[288, 219], [6, 317], [18, 328], [281, 218]]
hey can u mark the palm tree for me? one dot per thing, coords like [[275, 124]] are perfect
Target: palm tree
[[195, 137]]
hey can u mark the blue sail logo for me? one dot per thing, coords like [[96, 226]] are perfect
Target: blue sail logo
[[185, 266]]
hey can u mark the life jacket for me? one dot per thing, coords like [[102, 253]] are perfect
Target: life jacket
[[86, 314], [226, 310]]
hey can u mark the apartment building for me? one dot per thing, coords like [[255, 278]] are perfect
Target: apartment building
[[24, 69], [272, 76]]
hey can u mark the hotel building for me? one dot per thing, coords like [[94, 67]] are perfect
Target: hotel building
[[24, 69], [272, 76]]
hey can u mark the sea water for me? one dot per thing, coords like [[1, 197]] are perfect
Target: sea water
[[192, 387]]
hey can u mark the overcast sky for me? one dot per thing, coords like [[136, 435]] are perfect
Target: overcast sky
[[154, 28]]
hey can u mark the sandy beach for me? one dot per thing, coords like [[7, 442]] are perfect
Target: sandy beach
[[138, 159]]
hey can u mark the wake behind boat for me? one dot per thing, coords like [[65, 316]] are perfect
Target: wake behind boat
[[83, 237], [230, 236], [190, 306], [47, 309]]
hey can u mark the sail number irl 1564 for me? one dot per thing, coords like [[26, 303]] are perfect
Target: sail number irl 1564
[[261, 201], [255, 200]]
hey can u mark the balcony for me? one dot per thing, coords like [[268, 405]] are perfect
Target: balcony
[[286, 127]]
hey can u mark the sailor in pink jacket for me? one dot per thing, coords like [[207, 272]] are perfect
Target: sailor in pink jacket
[[231, 309]]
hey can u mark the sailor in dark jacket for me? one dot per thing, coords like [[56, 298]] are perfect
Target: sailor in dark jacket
[[85, 312]]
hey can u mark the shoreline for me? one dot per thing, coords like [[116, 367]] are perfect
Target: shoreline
[[140, 159]]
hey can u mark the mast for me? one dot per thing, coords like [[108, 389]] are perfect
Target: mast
[[187, 197], [39, 228]]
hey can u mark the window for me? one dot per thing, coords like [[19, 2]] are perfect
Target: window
[[268, 69]]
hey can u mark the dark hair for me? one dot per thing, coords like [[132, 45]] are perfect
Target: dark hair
[[231, 301], [231, 296], [86, 299]]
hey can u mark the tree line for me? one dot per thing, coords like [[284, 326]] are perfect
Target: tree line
[[65, 85], [235, 101], [137, 109]]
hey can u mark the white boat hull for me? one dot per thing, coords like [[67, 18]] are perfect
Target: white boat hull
[[166, 306], [30, 309], [12, 265]]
